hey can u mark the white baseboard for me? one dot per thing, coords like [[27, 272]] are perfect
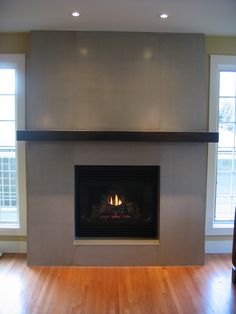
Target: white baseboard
[[13, 246], [218, 246]]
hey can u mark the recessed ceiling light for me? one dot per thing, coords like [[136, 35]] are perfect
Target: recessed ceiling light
[[76, 13], [164, 16]]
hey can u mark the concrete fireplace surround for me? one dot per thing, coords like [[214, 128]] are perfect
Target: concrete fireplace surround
[[115, 81]]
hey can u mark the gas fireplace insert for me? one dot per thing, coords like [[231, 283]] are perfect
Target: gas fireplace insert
[[117, 201]]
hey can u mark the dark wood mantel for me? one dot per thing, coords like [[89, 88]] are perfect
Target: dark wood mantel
[[122, 136]]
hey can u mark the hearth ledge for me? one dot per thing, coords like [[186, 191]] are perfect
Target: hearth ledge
[[116, 242]]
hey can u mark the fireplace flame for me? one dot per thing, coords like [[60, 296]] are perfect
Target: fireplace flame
[[115, 201]]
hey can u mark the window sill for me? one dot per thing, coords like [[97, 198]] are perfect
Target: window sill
[[9, 226], [10, 229], [219, 229], [223, 225]]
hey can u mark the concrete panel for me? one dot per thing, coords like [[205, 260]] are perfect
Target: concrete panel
[[183, 193], [182, 71], [117, 153], [50, 203], [50, 81], [116, 255], [118, 81]]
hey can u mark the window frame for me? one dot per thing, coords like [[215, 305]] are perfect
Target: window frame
[[217, 63], [17, 61]]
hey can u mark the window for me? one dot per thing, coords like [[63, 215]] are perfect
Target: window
[[221, 185], [12, 154]]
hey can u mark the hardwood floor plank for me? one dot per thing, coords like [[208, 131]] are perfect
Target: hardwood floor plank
[[117, 290]]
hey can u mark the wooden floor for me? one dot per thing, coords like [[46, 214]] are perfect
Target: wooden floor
[[112, 290]]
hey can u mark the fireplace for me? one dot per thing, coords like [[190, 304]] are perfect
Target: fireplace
[[117, 201]]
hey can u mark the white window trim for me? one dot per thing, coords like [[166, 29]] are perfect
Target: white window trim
[[18, 62], [217, 64]]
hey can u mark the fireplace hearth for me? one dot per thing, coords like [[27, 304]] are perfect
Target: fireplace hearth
[[117, 201]]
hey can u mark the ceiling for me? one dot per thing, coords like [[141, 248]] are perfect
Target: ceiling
[[212, 17]]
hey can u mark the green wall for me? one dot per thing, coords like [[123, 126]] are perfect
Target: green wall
[[221, 45], [218, 45], [14, 42]]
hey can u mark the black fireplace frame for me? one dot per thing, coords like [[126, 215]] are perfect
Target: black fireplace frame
[[129, 231]]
